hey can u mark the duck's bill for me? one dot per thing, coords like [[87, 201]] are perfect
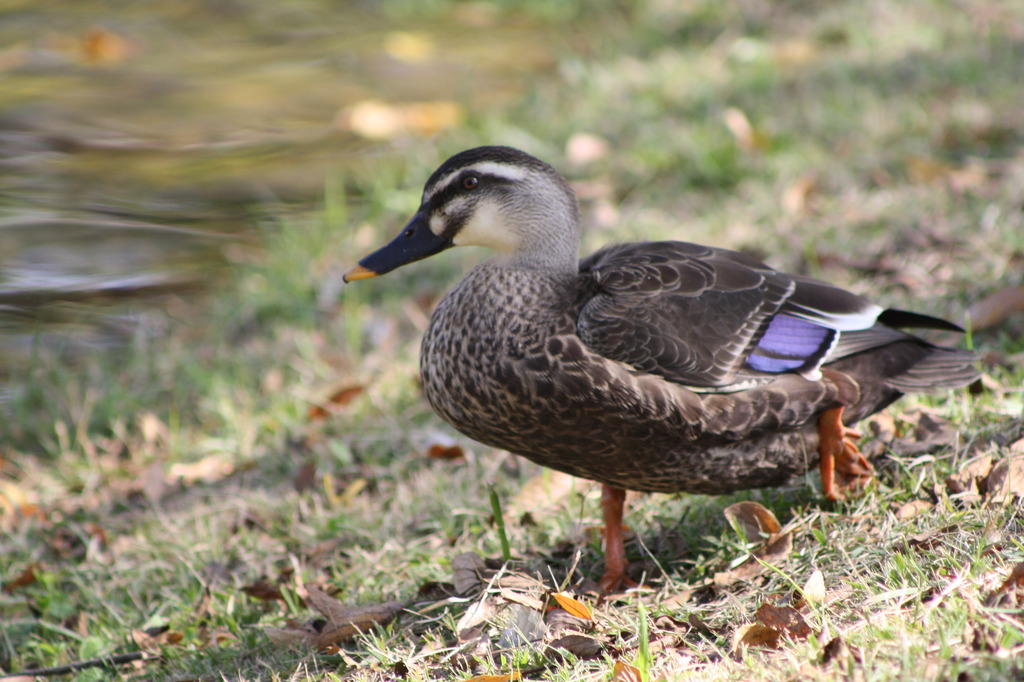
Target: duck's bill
[[415, 242]]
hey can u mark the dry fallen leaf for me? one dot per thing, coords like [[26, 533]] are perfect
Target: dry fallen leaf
[[475, 617], [526, 600], [264, 590], [786, 619], [580, 646], [913, 508], [467, 571], [345, 622], [996, 307], [752, 520], [339, 398], [572, 606], [970, 476], [1005, 482], [836, 648], [755, 634], [560, 621], [624, 672], [813, 591], [24, 579], [438, 451]]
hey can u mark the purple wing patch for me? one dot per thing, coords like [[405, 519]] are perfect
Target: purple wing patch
[[790, 344]]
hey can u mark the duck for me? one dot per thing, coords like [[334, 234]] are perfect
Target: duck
[[660, 366]]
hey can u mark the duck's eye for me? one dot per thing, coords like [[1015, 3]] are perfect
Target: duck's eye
[[470, 181]]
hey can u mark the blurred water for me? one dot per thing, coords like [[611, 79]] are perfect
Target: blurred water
[[138, 139]]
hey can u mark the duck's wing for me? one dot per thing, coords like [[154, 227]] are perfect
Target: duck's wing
[[718, 319]]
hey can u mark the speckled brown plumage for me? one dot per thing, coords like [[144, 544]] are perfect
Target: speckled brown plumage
[[501, 361]]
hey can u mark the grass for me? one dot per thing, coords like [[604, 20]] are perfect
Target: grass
[[143, 489]]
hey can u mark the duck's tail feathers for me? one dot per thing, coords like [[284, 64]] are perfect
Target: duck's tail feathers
[[940, 368], [904, 318]]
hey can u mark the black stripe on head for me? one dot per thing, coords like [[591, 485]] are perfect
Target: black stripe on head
[[504, 155]]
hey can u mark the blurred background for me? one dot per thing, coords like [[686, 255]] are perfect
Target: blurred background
[[191, 399]]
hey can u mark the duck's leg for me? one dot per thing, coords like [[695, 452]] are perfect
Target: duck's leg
[[613, 501], [838, 449]]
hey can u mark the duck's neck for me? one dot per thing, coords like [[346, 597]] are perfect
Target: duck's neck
[[548, 242]]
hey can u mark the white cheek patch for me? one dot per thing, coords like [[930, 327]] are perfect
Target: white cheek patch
[[439, 221], [487, 228]]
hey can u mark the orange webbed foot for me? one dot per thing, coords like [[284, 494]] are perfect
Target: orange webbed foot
[[839, 454]]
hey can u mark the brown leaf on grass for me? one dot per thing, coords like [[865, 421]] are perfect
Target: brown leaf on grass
[[573, 606], [752, 520], [339, 398], [913, 508], [813, 591], [624, 672], [508, 677], [305, 477], [969, 479], [560, 621], [997, 307], [467, 571], [24, 579], [836, 648], [579, 646], [755, 634], [931, 431], [755, 521], [345, 622], [438, 451], [264, 590], [151, 639], [1005, 482], [473, 620], [786, 619], [294, 633], [521, 598]]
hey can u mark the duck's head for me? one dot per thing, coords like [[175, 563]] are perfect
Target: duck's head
[[498, 197]]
